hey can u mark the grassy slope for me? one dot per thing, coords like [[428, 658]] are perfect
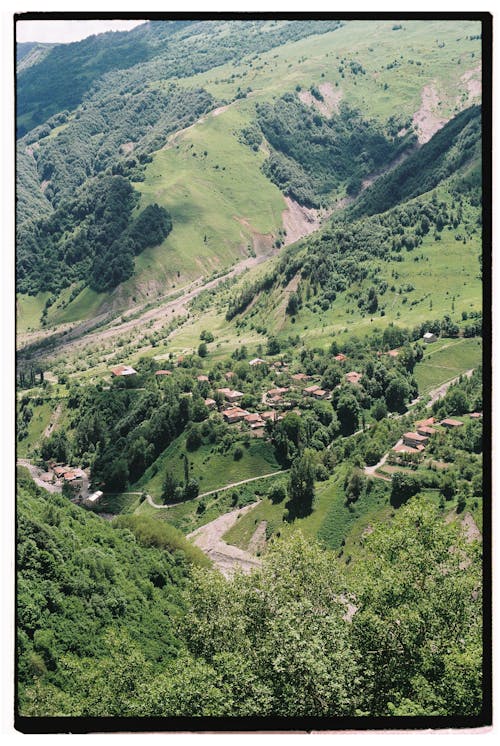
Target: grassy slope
[[212, 470], [448, 359]]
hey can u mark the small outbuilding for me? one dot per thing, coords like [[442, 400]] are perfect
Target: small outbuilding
[[429, 337]]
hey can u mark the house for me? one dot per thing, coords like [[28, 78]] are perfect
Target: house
[[393, 353], [232, 396], [254, 420], [234, 414], [476, 415], [210, 403], [59, 471], [415, 439], [309, 391], [426, 431], [449, 423], [229, 375], [425, 423], [320, 394], [269, 415], [353, 377], [299, 377], [163, 373], [69, 476], [93, 499], [340, 357], [257, 361], [223, 391], [277, 391], [123, 370], [277, 364], [429, 337], [275, 400], [202, 378], [401, 448]]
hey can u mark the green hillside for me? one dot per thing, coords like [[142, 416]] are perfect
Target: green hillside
[[222, 203]]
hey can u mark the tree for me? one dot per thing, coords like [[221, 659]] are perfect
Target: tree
[[348, 413], [192, 489], [397, 394], [170, 488], [418, 622], [293, 304], [203, 349], [276, 638], [301, 484], [403, 486]]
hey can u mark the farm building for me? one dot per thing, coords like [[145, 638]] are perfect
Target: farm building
[[123, 370], [429, 337], [93, 499]]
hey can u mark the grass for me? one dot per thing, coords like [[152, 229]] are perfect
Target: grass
[[244, 528], [212, 470], [29, 310], [41, 418], [450, 359], [422, 51], [221, 204], [86, 305]]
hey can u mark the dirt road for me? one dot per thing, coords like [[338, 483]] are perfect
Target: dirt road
[[438, 393], [37, 474], [226, 557]]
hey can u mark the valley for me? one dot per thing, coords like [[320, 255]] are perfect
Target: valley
[[249, 385]]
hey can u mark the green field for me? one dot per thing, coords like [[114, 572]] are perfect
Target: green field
[[212, 470], [446, 359], [29, 310]]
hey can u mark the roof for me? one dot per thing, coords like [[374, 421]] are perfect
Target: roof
[[476, 415], [425, 423], [429, 335], [353, 376], [257, 361], [423, 429], [229, 374], [300, 377], [451, 423], [340, 357], [69, 476], [311, 389], [253, 417], [224, 390], [235, 412], [277, 391], [319, 392], [270, 415], [163, 373], [123, 370], [393, 353], [202, 378], [407, 449], [209, 401], [415, 436], [60, 470], [230, 394]]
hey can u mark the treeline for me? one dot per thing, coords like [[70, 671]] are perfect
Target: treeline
[[453, 146], [91, 238], [312, 154], [288, 640]]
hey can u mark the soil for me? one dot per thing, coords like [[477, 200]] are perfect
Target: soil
[[258, 541], [299, 221], [426, 120], [331, 99], [226, 557], [54, 419], [472, 533]]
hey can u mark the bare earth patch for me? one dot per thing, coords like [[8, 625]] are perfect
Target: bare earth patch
[[427, 120], [298, 221], [472, 532], [472, 80], [127, 147], [258, 540], [330, 103], [226, 557]]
